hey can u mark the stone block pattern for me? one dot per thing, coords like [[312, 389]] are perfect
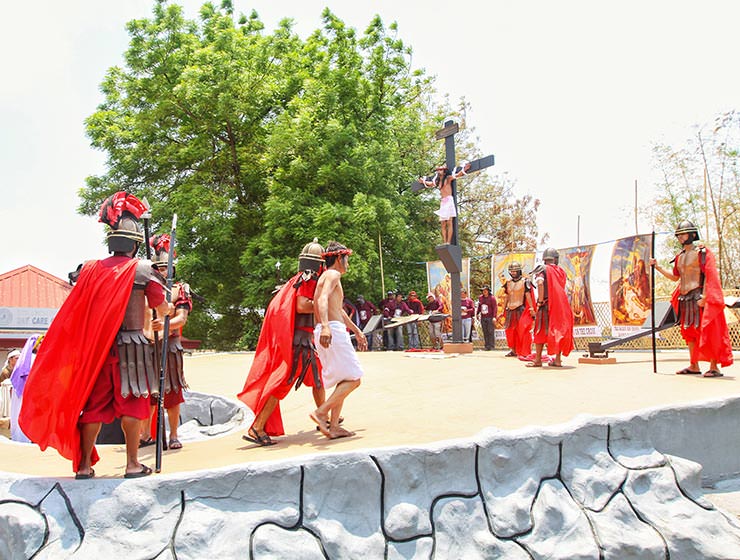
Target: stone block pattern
[[593, 489]]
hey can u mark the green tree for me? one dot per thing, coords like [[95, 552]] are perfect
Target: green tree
[[700, 182], [261, 141]]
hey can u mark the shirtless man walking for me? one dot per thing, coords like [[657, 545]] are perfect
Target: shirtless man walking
[[341, 368]]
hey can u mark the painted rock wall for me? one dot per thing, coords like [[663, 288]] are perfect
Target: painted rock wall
[[596, 488]]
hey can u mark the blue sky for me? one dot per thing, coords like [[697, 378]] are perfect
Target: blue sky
[[568, 95]]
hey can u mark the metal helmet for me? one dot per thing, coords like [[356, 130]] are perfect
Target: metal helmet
[[515, 269], [551, 254], [311, 257], [121, 212], [161, 249], [688, 227]]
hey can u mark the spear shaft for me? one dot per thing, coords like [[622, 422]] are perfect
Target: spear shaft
[[165, 340]]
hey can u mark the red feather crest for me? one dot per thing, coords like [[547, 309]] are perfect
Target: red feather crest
[[115, 205], [161, 243]]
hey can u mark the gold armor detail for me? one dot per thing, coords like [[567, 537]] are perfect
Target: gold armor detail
[[515, 293], [689, 271]]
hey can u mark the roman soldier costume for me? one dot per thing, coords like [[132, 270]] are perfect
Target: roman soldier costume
[[705, 326], [67, 380], [554, 319], [285, 351], [174, 379], [519, 321]]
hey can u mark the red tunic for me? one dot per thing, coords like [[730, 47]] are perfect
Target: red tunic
[[519, 334], [75, 347], [712, 338], [560, 315], [270, 371]]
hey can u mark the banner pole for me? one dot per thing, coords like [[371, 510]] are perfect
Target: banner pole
[[652, 302]]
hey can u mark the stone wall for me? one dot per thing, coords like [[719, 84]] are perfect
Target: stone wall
[[597, 488]]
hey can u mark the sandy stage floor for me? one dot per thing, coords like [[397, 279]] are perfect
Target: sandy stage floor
[[409, 399]]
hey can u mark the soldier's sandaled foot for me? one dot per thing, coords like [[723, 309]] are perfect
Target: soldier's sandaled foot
[[713, 373], [534, 364], [263, 440], [687, 371], [143, 471], [85, 476]]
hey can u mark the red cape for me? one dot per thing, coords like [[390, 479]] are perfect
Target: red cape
[[273, 357], [519, 336], [560, 315], [714, 337], [74, 350]]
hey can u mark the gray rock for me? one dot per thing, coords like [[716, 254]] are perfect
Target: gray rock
[[461, 531], [415, 477], [342, 505], [631, 446], [222, 510], [22, 531], [64, 535], [561, 529], [416, 549], [622, 535], [688, 478], [270, 542], [588, 470], [510, 469], [690, 530]]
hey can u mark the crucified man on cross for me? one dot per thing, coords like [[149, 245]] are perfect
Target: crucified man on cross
[[442, 179]]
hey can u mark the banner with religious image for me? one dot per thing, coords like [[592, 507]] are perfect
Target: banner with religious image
[[576, 261], [499, 267], [438, 281], [629, 284]]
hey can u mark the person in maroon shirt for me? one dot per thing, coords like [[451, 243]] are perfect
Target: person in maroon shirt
[[401, 310], [486, 314], [388, 309], [365, 310], [468, 311], [417, 308], [435, 327]]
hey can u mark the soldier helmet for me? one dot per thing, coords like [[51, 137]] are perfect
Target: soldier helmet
[[551, 254], [161, 246], [311, 257], [515, 266], [121, 212], [688, 227]]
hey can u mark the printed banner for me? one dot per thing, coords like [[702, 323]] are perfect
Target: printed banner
[[576, 261], [438, 280], [629, 284], [500, 265]]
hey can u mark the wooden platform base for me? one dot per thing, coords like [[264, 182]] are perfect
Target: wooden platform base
[[458, 348], [610, 360]]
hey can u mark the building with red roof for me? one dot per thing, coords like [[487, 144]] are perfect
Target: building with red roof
[[29, 301]]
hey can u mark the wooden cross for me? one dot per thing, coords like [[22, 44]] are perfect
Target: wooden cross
[[451, 255]]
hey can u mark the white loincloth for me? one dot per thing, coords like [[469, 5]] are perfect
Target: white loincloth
[[338, 362], [446, 208]]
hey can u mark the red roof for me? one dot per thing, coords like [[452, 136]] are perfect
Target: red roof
[[29, 286]]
